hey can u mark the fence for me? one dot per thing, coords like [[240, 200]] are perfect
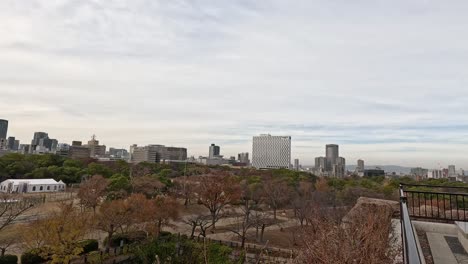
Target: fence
[[411, 253], [437, 202]]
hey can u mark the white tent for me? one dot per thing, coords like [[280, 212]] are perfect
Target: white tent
[[32, 186]]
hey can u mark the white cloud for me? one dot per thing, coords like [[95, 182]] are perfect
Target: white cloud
[[370, 75]]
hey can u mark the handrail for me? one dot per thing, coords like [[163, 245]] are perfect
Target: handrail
[[433, 186], [411, 254]]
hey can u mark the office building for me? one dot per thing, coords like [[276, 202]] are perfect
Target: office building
[[118, 153], [435, 174], [214, 151], [419, 172], [332, 154], [332, 164], [360, 165], [3, 128], [79, 152], [41, 143], [452, 172], [157, 154], [374, 172], [63, 150], [296, 164], [243, 158], [12, 143], [271, 152], [95, 150], [3, 144], [320, 164]]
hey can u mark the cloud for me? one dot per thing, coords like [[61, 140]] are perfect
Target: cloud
[[387, 81]]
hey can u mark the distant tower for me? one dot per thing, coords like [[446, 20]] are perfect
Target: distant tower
[[296, 164], [360, 165], [332, 154], [3, 128], [214, 151]]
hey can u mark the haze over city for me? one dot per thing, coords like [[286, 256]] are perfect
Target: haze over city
[[385, 80]]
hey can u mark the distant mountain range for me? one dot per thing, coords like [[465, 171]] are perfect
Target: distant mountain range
[[386, 168]]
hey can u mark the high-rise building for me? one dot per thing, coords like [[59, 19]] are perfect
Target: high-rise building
[[79, 152], [332, 164], [96, 150], [271, 152], [296, 164], [320, 163], [3, 128], [3, 144], [243, 158], [118, 153], [360, 165], [452, 172], [419, 172], [157, 154], [41, 142], [332, 153], [63, 150], [214, 151], [11, 143]]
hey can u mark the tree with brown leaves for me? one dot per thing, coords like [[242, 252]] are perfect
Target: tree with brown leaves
[[215, 193], [91, 191], [58, 235], [277, 193], [113, 215]]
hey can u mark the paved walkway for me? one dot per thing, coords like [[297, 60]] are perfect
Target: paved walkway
[[446, 249]]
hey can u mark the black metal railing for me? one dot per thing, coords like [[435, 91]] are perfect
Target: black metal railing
[[443, 203], [411, 252]]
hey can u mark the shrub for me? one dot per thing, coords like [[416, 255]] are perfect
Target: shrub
[[128, 238], [89, 245], [9, 259], [32, 257]]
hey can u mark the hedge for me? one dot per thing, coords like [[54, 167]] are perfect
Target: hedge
[[9, 259], [89, 245], [32, 257]]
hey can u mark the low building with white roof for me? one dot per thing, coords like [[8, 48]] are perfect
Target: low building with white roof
[[31, 186]]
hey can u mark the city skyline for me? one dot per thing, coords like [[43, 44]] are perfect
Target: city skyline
[[310, 162], [384, 80]]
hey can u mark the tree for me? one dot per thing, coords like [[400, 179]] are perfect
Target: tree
[[166, 209], [147, 185], [250, 199], [58, 236], [8, 238], [276, 192], [11, 208], [184, 189], [215, 192], [201, 220], [113, 215], [92, 190]]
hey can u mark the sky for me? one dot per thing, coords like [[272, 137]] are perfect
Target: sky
[[387, 80]]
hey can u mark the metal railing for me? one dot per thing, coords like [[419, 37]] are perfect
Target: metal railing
[[443, 203], [411, 253]]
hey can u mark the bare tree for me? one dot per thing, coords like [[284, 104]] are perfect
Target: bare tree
[[12, 208], [277, 193], [92, 190], [369, 238], [200, 220], [147, 185], [215, 193], [184, 189]]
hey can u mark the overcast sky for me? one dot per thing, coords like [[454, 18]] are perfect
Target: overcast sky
[[387, 80]]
